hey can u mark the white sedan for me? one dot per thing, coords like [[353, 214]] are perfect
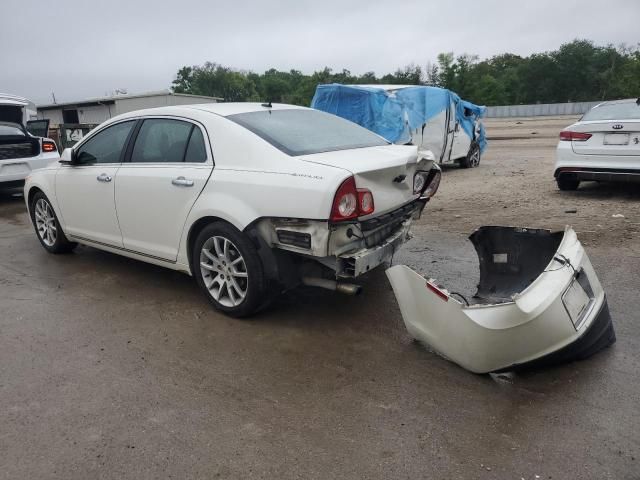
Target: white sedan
[[603, 146], [249, 198]]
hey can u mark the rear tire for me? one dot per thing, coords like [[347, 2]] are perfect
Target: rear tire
[[227, 268], [472, 159], [47, 226], [567, 182]]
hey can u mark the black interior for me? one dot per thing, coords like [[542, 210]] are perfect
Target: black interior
[[511, 258]]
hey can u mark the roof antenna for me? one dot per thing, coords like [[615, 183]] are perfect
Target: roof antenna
[[268, 104]]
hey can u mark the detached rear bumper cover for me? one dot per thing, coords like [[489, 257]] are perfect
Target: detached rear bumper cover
[[539, 301]]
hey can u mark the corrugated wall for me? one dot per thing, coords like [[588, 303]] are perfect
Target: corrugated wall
[[538, 110]]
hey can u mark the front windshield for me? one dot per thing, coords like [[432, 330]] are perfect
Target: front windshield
[[304, 131], [614, 111]]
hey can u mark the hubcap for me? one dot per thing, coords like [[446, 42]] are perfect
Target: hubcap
[[224, 271], [45, 222]]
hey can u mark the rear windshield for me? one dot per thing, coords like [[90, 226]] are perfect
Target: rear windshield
[[614, 111], [11, 130], [303, 132]]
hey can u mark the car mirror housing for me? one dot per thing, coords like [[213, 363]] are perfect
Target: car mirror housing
[[68, 156]]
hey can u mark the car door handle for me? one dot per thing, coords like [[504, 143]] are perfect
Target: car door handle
[[103, 177], [182, 182]]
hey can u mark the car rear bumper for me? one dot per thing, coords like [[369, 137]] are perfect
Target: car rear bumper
[[18, 169], [512, 323], [600, 174], [623, 168]]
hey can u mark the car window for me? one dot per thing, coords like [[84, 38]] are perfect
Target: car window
[[106, 145], [614, 111], [161, 140], [306, 131], [10, 130], [196, 151]]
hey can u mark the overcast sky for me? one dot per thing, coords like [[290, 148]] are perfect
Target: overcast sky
[[88, 48]]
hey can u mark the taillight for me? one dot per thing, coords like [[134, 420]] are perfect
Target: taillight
[[365, 201], [433, 182], [49, 146], [350, 202], [568, 136]]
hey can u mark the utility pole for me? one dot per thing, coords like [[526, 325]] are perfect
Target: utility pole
[[54, 97]]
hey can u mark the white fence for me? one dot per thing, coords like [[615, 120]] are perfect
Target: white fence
[[542, 109]]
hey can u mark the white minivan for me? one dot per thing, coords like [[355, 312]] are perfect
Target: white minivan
[[432, 118]]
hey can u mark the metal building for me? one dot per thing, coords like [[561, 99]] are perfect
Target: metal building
[[97, 110]]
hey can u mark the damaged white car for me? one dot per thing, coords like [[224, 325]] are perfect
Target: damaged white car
[[538, 302], [249, 198]]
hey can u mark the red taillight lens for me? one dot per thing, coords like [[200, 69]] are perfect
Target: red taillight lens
[[351, 202], [345, 202], [568, 136], [48, 146], [437, 290], [365, 202]]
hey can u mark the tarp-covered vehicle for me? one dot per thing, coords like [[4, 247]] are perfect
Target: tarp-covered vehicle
[[433, 118], [538, 302]]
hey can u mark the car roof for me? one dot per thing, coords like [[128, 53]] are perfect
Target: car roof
[[616, 102], [222, 109]]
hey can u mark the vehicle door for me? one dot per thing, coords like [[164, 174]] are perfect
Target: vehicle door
[[167, 166], [461, 139], [450, 130], [85, 188]]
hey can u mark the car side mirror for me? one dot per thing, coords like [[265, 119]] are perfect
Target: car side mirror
[[68, 157]]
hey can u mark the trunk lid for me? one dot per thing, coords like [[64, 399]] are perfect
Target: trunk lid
[[387, 171], [608, 137]]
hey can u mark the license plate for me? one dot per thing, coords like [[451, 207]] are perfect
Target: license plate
[[616, 139], [576, 301]]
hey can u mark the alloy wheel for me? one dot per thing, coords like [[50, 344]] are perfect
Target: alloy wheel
[[224, 271], [45, 222], [475, 157]]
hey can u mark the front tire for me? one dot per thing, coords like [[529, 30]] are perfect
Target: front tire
[[472, 159], [47, 226], [228, 269], [567, 182]]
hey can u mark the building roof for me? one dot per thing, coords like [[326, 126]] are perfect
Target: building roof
[[112, 99]]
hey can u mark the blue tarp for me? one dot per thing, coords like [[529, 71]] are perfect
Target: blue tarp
[[389, 115]]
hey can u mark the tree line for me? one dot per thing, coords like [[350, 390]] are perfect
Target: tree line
[[577, 71]]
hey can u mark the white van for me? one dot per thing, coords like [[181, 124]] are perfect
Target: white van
[[432, 118]]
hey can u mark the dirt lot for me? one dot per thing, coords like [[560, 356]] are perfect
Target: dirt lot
[[110, 368]]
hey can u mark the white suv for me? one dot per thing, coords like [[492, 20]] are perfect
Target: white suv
[[20, 151]]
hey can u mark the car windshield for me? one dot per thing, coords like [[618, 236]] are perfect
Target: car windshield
[[11, 130], [302, 131], [614, 111]]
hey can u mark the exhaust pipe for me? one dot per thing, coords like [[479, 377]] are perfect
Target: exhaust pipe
[[342, 287]]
